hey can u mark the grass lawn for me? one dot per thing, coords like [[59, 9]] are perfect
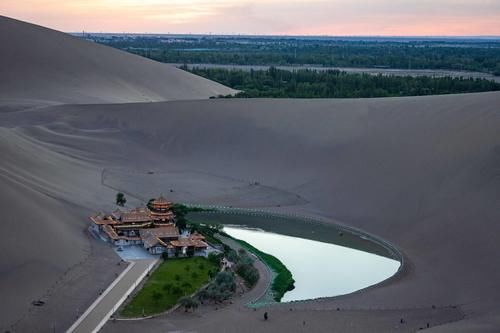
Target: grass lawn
[[173, 279]]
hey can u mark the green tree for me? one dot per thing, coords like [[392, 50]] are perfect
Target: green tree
[[150, 202], [306, 83], [120, 199], [181, 223], [249, 273]]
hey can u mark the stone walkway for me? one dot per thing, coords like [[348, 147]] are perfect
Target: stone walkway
[[103, 308]]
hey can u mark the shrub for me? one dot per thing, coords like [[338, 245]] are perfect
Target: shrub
[[188, 303], [231, 255], [217, 293], [220, 289], [225, 280], [245, 260]]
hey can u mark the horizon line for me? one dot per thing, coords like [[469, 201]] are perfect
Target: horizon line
[[277, 35]]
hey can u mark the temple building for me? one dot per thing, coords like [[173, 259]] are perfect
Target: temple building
[[161, 210], [152, 228]]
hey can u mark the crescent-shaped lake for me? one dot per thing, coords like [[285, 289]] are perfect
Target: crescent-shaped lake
[[320, 269]]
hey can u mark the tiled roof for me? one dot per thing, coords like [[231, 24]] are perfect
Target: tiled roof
[[114, 236], [196, 236], [161, 201], [153, 236], [117, 214], [102, 220], [136, 215], [133, 225], [186, 242], [162, 215]]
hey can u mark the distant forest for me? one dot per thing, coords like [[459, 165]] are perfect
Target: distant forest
[[481, 55], [471, 55], [278, 83]]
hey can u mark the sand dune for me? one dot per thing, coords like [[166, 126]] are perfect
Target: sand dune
[[40, 65], [423, 173], [420, 172]]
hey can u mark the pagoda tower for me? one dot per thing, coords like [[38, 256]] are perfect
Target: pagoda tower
[[161, 210]]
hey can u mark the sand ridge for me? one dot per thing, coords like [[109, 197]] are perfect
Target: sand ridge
[[421, 172], [44, 66], [398, 168]]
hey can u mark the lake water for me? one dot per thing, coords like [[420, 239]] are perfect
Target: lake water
[[319, 269]]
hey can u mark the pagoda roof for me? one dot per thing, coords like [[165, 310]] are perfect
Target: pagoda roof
[[162, 215], [161, 201]]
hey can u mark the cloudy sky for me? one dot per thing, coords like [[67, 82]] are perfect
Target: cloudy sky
[[305, 17]]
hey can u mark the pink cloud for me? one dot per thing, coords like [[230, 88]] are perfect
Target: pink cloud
[[332, 17]]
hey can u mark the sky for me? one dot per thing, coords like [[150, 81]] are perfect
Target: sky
[[277, 17]]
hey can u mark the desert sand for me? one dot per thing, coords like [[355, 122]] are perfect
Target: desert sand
[[421, 172], [40, 65]]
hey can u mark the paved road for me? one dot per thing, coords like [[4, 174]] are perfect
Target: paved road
[[100, 311]]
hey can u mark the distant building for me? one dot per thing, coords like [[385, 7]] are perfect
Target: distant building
[[152, 228]]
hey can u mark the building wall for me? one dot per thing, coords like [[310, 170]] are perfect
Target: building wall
[[156, 250]]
